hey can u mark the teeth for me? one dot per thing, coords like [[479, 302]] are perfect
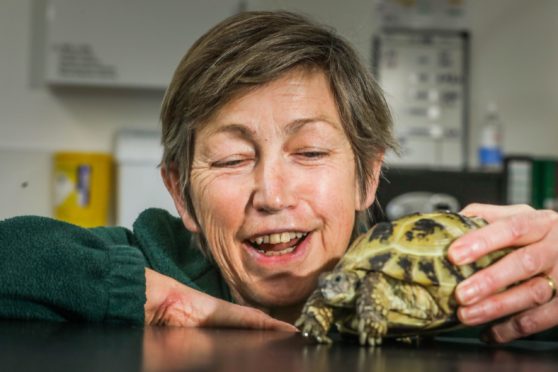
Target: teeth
[[277, 238], [285, 237], [276, 253]]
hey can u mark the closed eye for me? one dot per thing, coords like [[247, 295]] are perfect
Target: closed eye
[[312, 154], [230, 163]]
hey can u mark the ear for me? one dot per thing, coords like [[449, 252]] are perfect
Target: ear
[[172, 183], [372, 186]]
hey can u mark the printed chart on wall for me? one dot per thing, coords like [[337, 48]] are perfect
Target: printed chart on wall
[[424, 75]]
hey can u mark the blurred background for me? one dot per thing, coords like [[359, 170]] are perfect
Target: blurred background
[[472, 85]]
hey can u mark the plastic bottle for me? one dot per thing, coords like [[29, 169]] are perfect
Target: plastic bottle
[[490, 146]]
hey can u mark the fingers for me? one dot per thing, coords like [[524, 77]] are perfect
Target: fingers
[[509, 231], [527, 323], [171, 303], [237, 316], [530, 294], [533, 229], [515, 267], [529, 304], [493, 212]]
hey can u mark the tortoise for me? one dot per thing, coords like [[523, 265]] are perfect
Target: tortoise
[[394, 281]]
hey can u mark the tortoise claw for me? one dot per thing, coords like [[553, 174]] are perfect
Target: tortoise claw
[[371, 332], [312, 329]]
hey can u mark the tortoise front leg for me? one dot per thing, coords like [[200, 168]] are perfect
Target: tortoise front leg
[[316, 318], [372, 306], [381, 297]]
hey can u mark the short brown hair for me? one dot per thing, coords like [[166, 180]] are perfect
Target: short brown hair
[[254, 48]]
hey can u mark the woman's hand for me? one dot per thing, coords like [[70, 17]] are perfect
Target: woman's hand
[[531, 303], [172, 303]]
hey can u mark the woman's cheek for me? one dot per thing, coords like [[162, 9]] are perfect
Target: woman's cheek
[[335, 191], [220, 213]]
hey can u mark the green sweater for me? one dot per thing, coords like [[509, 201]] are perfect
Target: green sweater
[[53, 270]]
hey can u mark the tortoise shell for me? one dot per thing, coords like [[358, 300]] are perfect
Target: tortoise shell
[[414, 248], [394, 281]]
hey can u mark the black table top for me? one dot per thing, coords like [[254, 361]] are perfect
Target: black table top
[[43, 346]]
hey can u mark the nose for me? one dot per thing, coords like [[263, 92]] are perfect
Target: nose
[[274, 189]]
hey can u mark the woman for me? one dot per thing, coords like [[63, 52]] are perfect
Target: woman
[[273, 136]]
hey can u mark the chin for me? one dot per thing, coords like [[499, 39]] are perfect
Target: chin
[[280, 295]]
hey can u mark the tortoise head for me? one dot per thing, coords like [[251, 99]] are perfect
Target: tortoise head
[[339, 288]]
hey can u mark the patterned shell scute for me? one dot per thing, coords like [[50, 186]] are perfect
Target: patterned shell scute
[[413, 249]]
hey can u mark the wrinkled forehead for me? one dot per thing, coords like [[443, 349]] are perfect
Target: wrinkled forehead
[[295, 99]]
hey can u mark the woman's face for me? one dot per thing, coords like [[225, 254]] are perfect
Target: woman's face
[[274, 188]]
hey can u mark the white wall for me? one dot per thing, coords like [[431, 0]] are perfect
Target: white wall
[[514, 62], [33, 116], [36, 120]]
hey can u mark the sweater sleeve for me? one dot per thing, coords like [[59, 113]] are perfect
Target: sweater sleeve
[[52, 270]]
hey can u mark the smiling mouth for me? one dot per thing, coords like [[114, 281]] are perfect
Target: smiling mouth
[[277, 244]]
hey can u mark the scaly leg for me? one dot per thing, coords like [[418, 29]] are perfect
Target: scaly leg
[[382, 297], [316, 318]]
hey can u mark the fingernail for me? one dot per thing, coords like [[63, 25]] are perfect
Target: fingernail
[[467, 293], [459, 254], [464, 252], [471, 314]]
